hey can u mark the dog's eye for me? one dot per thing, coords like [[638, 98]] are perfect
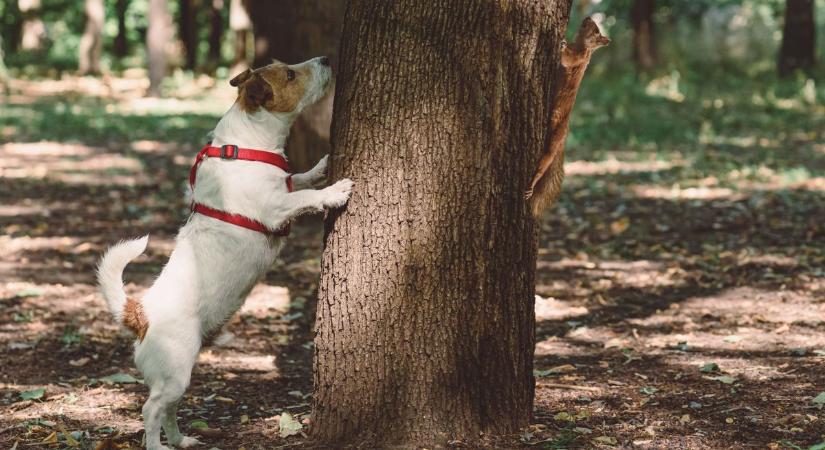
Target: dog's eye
[[290, 74]]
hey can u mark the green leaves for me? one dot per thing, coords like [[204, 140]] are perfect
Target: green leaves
[[34, 394], [288, 426], [709, 368]]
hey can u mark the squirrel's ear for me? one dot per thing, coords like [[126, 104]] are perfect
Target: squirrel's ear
[[240, 78]]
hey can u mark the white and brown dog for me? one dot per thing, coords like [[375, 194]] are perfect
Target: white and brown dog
[[219, 257]]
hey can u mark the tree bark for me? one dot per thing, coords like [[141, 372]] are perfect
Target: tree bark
[[644, 36], [425, 325], [293, 31], [798, 37], [215, 34], [121, 44], [188, 29], [91, 43], [157, 36], [33, 29]]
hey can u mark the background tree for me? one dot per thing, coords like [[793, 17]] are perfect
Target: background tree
[[798, 37], [188, 31], [644, 36], [91, 43], [216, 26], [157, 36], [425, 327], [293, 31], [121, 43], [33, 29], [241, 25]]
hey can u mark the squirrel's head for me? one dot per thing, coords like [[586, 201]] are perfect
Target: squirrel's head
[[588, 39]]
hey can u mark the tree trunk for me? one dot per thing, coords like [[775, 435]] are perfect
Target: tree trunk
[[293, 31], [644, 37], [240, 24], [425, 326], [798, 37], [215, 35], [33, 29], [91, 43], [157, 36], [121, 43], [188, 29]]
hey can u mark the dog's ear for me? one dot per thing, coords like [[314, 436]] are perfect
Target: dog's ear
[[255, 93], [240, 78]]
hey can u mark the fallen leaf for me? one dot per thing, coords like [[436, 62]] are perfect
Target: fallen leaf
[[582, 430], [563, 416], [288, 426], [819, 399], [709, 368], [244, 419], [50, 439], [34, 394], [119, 378], [79, 362], [732, 339], [723, 378], [606, 440]]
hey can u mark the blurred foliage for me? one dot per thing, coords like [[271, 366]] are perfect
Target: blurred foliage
[[65, 21]]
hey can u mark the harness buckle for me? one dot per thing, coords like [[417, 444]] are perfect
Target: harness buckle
[[231, 154]]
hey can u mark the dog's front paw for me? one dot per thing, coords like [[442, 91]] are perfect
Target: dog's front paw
[[337, 195], [187, 442]]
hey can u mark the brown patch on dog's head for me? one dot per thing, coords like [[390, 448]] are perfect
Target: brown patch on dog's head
[[135, 319], [276, 87]]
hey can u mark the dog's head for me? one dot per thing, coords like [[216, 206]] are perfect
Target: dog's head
[[283, 88]]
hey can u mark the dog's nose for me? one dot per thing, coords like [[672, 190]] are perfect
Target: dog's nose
[[324, 61]]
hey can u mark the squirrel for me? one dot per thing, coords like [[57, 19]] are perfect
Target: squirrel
[[546, 184]]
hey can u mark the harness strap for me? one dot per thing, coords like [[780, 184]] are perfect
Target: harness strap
[[245, 154]]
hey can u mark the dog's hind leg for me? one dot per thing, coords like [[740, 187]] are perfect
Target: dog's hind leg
[[161, 395], [170, 427]]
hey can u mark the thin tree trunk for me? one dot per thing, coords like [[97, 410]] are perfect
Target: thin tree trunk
[[293, 31], [798, 37], [121, 45], [240, 24], [215, 34], [33, 29], [644, 36], [157, 36], [91, 43], [187, 27], [425, 326]]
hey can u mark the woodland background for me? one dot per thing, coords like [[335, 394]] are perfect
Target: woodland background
[[681, 275]]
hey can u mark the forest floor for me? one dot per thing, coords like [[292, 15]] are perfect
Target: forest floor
[[681, 291]]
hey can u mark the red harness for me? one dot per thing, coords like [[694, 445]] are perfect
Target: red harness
[[229, 152]]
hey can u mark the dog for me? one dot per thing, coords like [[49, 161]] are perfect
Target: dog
[[219, 253]]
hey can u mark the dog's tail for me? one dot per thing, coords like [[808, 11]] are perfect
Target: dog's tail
[[110, 275]]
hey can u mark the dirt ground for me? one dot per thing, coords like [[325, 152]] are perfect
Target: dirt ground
[[667, 318]]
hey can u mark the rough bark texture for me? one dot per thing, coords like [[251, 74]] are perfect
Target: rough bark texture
[[798, 37], [91, 43], [425, 326], [644, 37], [294, 31], [157, 36], [121, 44]]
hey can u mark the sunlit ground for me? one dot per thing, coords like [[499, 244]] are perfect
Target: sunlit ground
[[691, 232]]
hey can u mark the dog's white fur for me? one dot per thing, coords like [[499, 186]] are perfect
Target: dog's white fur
[[215, 264]]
